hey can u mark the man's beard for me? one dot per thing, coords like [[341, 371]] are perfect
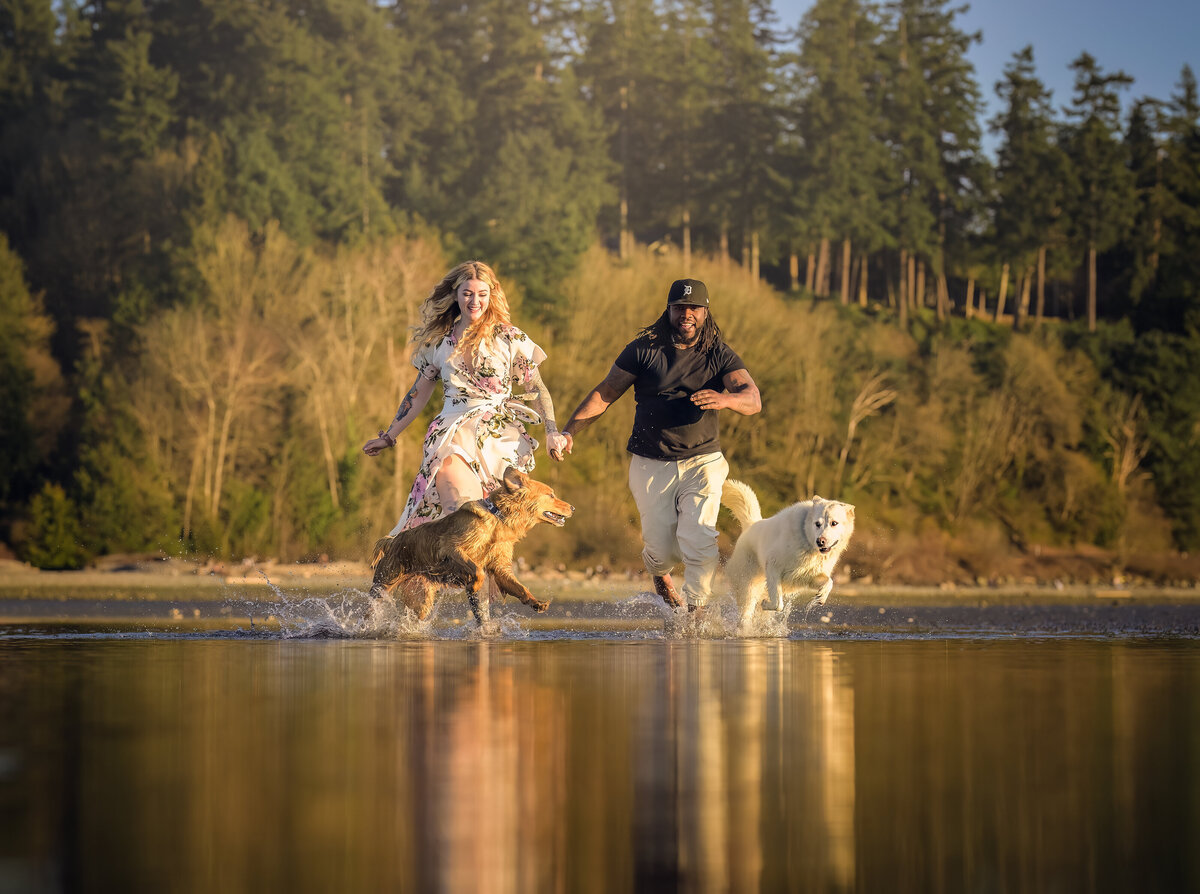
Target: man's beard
[[681, 337]]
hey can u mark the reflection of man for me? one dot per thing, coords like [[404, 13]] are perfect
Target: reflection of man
[[682, 372]]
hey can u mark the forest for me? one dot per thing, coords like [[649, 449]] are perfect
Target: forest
[[219, 217]]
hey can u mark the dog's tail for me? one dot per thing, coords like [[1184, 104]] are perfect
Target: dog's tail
[[742, 502]]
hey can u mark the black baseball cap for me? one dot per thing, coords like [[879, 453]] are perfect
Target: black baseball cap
[[688, 291]]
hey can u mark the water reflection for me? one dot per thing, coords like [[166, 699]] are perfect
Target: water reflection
[[597, 765]]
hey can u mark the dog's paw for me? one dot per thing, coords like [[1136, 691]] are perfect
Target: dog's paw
[[817, 601]]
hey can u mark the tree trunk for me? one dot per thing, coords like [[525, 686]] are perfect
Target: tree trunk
[[1041, 288], [327, 450], [810, 272], [902, 288], [821, 281], [913, 296], [754, 260], [189, 500], [209, 437], [364, 161], [1091, 286], [969, 304], [222, 453], [687, 242], [862, 282], [794, 271], [625, 240], [1003, 293], [845, 283], [922, 297], [1022, 310]]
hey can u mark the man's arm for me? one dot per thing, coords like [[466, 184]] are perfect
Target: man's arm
[[599, 399], [740, 395]]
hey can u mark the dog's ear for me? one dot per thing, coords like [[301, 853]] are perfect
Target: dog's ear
[[514, 478], [849, 511]]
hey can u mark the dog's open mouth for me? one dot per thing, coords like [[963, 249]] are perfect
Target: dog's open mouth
[[554, 518], [824, 549]]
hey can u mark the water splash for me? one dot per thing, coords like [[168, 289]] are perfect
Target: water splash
[[353, 613]]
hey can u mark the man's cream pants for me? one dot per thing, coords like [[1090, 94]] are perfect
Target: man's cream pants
[[678, 501]]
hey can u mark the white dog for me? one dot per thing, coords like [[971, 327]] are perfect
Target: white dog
[[792, 551]]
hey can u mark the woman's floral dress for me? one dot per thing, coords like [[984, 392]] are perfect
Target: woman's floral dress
[[481, 420]]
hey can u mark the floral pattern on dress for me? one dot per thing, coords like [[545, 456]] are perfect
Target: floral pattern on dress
[[481, 421]]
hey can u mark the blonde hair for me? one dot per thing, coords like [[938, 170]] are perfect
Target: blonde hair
[[440, 311]]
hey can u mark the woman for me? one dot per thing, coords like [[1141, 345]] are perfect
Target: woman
[[467, 340]]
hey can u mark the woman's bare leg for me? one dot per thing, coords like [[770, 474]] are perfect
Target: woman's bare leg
[[456, 484]]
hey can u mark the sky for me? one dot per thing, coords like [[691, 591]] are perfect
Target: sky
[[1150, 40]]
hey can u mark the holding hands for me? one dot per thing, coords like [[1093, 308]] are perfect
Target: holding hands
[[558, 444]]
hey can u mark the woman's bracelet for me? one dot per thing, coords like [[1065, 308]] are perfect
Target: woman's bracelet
[[391, 442]]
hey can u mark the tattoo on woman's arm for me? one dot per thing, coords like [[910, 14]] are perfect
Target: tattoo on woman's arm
[[542, 403], [406, 405]]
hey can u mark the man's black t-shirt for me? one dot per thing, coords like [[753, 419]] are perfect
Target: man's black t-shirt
[[666, 424]]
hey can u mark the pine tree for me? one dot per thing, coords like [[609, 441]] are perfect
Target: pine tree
[[933, 102], [739, 152], [622, 67], [296, 97], [526, 172], [1102, 204], [32, 404], [1178, 298], [1029, 176], [1143, 246], [842, 162], [683, 87]]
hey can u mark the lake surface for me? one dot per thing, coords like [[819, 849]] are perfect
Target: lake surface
[[318, 756]]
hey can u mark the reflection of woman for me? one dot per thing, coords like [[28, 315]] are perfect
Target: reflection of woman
[[467, 340]]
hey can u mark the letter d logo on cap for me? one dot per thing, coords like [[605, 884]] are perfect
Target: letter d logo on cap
[[688, 291]]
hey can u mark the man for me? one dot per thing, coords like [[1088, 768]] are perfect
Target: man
[[682, 373]]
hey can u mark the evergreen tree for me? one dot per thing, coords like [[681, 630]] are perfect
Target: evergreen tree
[[1177, 304], [741, 130], [1143, 247], [290, 102], [844, 161], [32, 403], [622, 67], [40, 147], [933, 103], [1102, 203], [524, 176], [1030, 172], [683, 87]]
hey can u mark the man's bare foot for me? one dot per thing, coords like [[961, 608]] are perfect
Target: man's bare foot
[[664, 588]]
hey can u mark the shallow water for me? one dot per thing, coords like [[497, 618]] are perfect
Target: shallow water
[[340, 747]]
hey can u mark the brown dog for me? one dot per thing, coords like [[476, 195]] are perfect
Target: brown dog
[[462, 548]]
